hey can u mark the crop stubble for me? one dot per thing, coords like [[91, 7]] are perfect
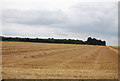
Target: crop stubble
[[64, 61]]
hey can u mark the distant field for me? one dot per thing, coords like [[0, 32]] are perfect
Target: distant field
[[62, 61]]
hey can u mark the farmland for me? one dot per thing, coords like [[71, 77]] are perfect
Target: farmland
[[62, 61]]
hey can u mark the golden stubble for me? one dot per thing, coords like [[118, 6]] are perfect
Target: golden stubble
[[62, 61]]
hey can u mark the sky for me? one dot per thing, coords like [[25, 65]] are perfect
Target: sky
[[70, 19]]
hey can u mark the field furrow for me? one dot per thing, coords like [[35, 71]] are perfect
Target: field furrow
[[63, 61]]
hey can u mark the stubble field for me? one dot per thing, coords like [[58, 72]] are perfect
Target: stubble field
[[62, 61]]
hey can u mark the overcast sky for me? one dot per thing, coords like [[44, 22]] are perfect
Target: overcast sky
[[74, 19]]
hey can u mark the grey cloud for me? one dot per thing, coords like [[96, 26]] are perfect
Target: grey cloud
[[79, 19], [88, 17], [33, 17], [99, 18]]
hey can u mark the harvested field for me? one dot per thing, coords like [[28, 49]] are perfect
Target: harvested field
[[62, 61]]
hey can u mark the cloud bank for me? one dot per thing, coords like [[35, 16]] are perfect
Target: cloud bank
[[77, 20]]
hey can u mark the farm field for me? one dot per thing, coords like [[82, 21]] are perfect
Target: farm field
[[62, 61]]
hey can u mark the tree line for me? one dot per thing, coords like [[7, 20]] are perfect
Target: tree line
[[90, 41]]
